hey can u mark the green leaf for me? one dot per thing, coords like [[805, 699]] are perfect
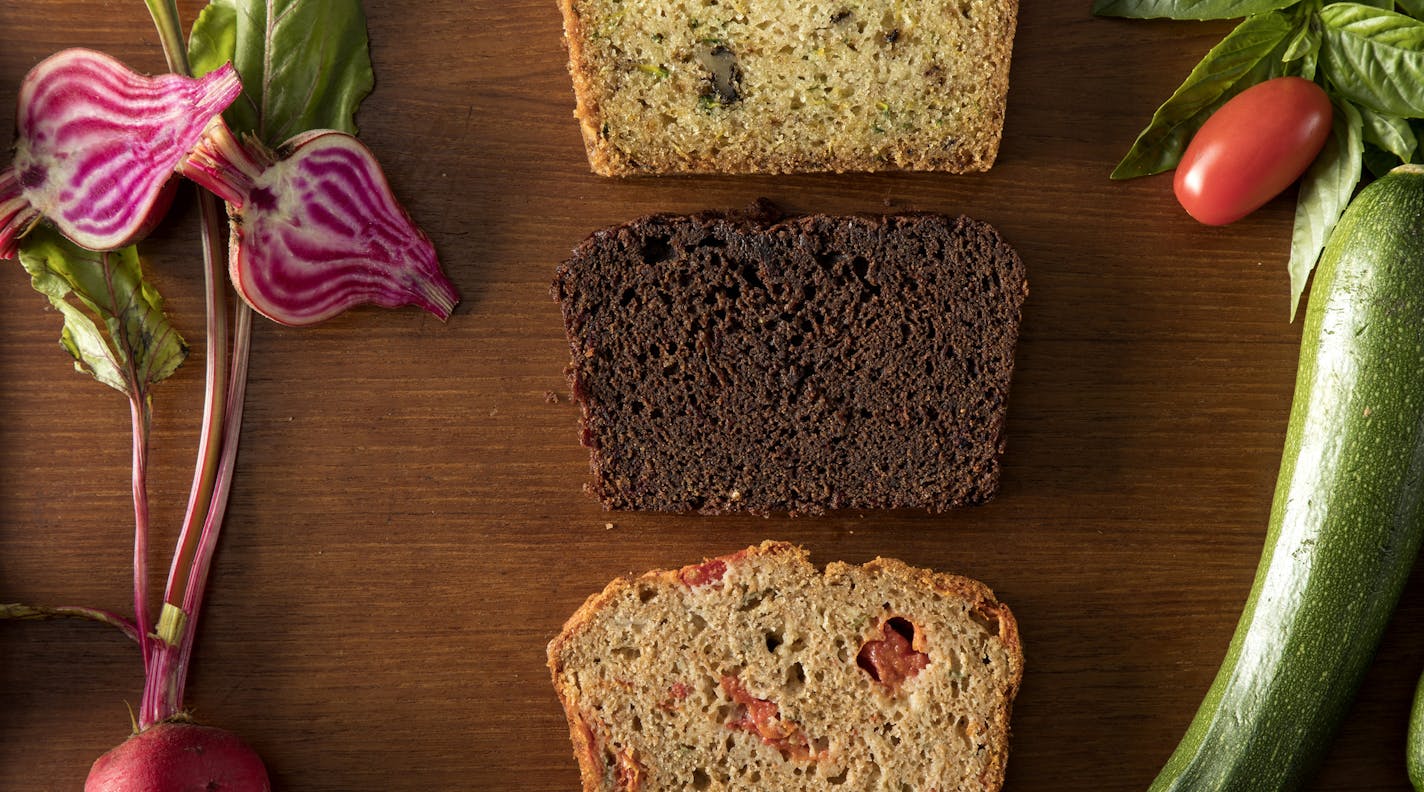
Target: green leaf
[[213, 41], [1377, 161], [1414, 8], [1325, 191], [305, 64], [1374, 58], [1249, 54], [1305, 48], [1391, 133], [1187, 9], [114, 324]]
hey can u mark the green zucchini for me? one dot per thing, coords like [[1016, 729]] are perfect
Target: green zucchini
[[1414, 743], [1348, 512]]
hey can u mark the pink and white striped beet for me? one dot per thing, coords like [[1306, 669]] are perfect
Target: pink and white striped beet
[[97, 145], [318, 230]]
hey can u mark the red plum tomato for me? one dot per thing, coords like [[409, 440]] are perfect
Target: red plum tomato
[[1252, 148]]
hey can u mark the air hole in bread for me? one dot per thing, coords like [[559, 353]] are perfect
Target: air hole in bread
[[656, 250], [961, 730], [795, 677], [700, 779], [904, 627], [989, 622], [750, 275], [773, 640]]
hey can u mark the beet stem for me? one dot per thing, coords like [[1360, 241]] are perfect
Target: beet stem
[[41, 613], [217, 509], [167, 665], [215, 403], [223, 165], [142, 415], [170, 32]]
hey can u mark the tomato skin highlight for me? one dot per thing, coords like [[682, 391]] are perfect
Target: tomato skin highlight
[[1252, 148]]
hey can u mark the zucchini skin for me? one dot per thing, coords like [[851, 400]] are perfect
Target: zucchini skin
[[1348, 512], [1414, 742]]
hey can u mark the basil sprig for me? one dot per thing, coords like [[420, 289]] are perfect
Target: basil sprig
[[1251, 53], [1187, 9], [1368, 56]]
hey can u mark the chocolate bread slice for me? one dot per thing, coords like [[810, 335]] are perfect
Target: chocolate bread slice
[[758, 671], [745, 363]]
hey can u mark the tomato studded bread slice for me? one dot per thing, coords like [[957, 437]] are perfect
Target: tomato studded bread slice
[[758, 671]]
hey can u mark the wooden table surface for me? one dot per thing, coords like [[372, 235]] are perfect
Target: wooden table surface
[[408, 528]]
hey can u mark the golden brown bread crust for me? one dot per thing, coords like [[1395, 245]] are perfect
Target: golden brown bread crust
[[611, 758], [937, 139]]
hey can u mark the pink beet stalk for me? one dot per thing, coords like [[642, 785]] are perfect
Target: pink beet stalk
[[97, 145], [317, 231]]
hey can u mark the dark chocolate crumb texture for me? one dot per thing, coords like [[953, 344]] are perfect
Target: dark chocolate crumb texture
[[744, 362]]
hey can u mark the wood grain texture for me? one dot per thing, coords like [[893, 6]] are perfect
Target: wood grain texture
[[407, 527]]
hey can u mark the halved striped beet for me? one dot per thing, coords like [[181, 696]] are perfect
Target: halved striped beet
[[97, 145], [317, 230]]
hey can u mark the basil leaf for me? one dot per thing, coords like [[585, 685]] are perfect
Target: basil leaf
[[114, 324], [1377, 161], [1391, 133], [1414, 8], [1374, 58], [305, 64], [1249, 54], [1187, 9], [1325, 190], [1305, 47]]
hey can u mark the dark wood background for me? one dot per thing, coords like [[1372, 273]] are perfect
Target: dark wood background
[[407, 527]]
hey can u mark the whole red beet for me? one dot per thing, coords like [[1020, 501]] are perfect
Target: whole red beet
[[176, 756]]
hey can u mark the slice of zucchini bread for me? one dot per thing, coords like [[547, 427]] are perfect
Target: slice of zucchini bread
[[738, 86], [744, 363], [756, 671]]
